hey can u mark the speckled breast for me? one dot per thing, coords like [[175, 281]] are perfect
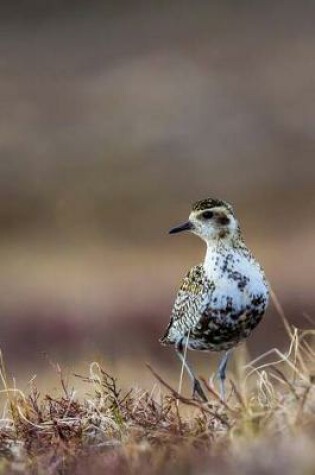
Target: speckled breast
[[222, 329]]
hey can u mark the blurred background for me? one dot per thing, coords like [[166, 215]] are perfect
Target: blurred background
[[114, 117]]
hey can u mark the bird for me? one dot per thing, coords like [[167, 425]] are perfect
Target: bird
[[221, 300]]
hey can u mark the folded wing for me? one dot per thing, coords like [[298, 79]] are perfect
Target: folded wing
[[191, 302]]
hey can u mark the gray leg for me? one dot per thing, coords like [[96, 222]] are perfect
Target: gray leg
[[222, 373], [197, 389]]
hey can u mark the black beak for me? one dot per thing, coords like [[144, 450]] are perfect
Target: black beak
[[182, 227]]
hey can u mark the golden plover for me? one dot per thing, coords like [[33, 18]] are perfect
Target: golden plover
[[221, 300]]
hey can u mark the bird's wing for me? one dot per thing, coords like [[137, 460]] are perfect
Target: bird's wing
[[191, 301]]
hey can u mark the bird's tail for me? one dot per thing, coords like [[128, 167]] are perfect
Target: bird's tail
[[165, 339]]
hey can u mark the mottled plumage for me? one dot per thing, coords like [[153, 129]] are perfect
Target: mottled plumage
[[223, 299], [210, 203], [217, 313]]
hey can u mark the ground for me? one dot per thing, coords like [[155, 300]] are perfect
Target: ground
[[267, 424]]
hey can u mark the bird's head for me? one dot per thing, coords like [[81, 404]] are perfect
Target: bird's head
[[212, 220]]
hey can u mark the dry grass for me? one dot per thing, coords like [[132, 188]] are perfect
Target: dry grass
[[267, 424]]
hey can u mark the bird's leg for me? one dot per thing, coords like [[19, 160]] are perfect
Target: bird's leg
[[197, 389], [221, 372]]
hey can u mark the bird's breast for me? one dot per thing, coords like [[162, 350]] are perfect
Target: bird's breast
[[238, 281]]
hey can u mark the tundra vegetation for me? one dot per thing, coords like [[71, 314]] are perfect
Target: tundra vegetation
[[266, 425]]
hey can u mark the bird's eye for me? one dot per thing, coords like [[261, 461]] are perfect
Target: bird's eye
[[207, 214]]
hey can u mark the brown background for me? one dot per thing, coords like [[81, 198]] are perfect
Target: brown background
[[114, 117]]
